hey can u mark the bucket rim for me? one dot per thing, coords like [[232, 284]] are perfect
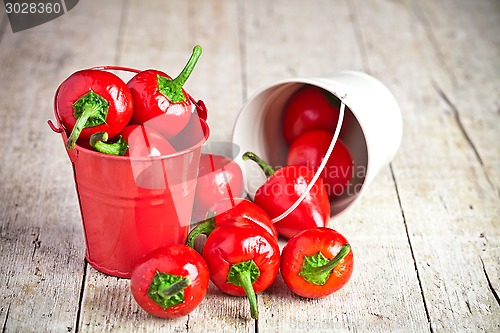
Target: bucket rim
[[201, 142], [199, 109]]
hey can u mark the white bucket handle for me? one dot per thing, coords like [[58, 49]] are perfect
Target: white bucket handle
[[321, 166]]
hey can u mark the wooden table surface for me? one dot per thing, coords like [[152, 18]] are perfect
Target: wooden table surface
[[426, 235]]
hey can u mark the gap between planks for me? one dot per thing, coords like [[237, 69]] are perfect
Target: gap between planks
[[422, 293], [360, 40], [490, 285], [466, 136], [81, 297]]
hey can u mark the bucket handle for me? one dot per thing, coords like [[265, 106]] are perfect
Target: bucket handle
[[200, 106], [321, 166]]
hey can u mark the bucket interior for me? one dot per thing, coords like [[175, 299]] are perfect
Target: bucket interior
[[258, 129]]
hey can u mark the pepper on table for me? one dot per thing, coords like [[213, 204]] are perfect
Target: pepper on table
[[233, 212], [91, 101], [160, 101], [280, 191], [240, 211], [316, 262], [170, 282], [243, 257]]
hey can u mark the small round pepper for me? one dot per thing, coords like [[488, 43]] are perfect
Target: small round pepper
[[219, 177], [170, 282], [160, 101], [316, 262], [310, 148], [91, 101], [285, 186], [242, 256]]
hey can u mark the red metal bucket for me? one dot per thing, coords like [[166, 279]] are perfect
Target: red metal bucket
[[131, 206]]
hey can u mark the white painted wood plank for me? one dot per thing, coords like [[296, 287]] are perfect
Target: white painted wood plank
[[427, 53], [448, 201], [168, 32], [284, 39], [317, 39], [467, 44], [467, 48], [41, 238]]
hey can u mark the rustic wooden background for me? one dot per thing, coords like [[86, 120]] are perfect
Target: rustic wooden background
[[426, 235]]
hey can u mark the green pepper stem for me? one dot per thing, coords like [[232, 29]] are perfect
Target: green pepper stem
[[172, 89], [205, 228], [244, 274], [88, 112], [97, 141], [330, 265], [174, 288], [98, 136], [246, 284], [268, 170], [181, 79]]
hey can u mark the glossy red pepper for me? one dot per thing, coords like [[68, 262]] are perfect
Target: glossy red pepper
[[243, 257], [219, 177], [194, 132], [280, 191], [316, 262], [310, 148], [91, 101], [171, 281], [242, 211], [160, 101], [233, 212], [135, 141], [310, 108]]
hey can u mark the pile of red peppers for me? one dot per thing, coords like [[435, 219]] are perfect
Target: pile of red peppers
[[94, 106], [240, 255]]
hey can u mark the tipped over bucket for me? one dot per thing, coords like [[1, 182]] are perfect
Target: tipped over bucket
[[372, 129]]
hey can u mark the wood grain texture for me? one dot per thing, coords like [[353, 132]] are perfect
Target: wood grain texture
[[169, 30], [447, 199], [425, 236], [465, 43], [313, 39], [41, 236]]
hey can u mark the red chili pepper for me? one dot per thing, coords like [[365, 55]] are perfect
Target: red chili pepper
[[160, 101], [316, 262], [219, 177], [170, 282], [135, 141], [91, 101], [243, 257], [234, 212], [310, 108], [192, 134], [310, 148], [280, 191], [239, 211]]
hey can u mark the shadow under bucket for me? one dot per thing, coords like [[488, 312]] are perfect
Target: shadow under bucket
[[131, 206]]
